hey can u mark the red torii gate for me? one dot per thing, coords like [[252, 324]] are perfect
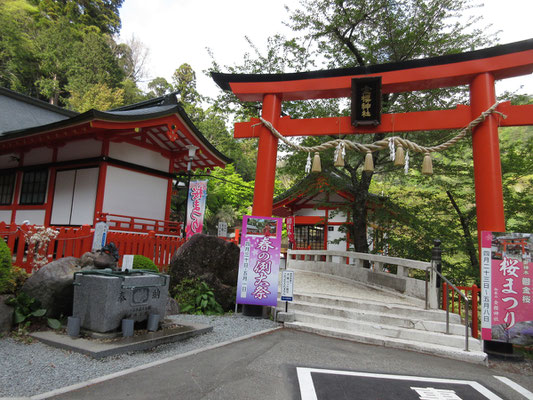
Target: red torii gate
[[478, 69]]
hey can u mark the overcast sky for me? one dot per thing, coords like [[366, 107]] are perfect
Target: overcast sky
[[179, 31]]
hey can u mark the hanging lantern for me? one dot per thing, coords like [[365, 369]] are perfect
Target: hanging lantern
[[316, 163], [399, 160], [427, 166], [339, 157], [369, 162]]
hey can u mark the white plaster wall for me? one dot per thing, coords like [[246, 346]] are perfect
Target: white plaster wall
[[337, 216], [36, 217], [333, 235], [309, 212], [139, 156], [41, 155], [7, 162], [79, 149], [5, 216], [134, 194]]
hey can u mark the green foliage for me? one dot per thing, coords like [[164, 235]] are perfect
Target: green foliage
[[14, 281], [142, 262], [28, 308], [5, 268], [195, 297]]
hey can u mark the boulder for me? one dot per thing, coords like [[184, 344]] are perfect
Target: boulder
[[213, 260], [6, 314], [173, 307], [52, 286]]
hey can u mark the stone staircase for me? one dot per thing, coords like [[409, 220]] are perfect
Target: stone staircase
[[352, 311]]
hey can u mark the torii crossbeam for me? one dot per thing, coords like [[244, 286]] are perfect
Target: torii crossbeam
[[478, 69]]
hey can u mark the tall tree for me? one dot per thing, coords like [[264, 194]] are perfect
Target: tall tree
[[347, 33]]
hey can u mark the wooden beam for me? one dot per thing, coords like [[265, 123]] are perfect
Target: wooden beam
[[456, 118]]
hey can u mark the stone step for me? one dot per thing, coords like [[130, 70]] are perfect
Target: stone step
[[472, 356], [411, 321], [373, 306], [376, 329]]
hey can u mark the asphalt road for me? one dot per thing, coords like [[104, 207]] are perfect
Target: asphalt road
[[265, 367]]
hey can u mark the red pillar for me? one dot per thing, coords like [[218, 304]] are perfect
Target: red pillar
[[266, 158], [486, 153]]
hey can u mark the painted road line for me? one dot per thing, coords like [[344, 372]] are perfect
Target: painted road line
[[315, 382], [523, 391]]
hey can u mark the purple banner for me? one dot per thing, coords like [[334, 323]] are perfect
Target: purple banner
[[259, 261], [506, 287], [196, 207]]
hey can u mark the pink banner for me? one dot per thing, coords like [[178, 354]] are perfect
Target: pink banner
[[289, 222], [196, 207], [257, 282], [507, 310]]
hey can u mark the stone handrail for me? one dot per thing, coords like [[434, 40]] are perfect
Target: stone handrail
[[349, 265]]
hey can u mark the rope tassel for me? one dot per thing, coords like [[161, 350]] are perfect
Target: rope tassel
[[399, 159], [427, 166], [316, 163], [369, 162]]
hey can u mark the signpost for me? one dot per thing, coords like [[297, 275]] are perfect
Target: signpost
[[222, 229], [100, 235], [127, 262]]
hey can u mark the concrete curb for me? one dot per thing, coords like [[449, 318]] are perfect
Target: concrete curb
[[114, 375]]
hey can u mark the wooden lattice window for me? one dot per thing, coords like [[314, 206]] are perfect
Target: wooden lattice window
[[7, 183], [33, 189], [309, 236]]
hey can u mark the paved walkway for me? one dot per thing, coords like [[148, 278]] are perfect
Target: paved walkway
[[266, 367], [309, 282]]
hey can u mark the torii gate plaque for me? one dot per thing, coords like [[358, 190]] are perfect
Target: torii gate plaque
[[478, 69]]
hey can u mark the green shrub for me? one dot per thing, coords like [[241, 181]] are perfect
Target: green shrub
[[195, 297], [142, 262], [27, 308], [5, 267], [15, 280]]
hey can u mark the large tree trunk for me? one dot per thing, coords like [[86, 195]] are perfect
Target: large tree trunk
[[467, 235]]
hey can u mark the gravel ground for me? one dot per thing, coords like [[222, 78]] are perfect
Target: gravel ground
[[30, 369]]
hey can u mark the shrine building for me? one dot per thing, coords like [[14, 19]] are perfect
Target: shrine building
[[61, 168]]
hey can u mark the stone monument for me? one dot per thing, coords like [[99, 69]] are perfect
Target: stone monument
[[103, 298]]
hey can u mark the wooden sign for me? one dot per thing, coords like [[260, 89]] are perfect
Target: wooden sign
[[366, 101]]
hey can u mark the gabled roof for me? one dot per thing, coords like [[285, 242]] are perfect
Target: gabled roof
[[503, 61], [160, 124], [303, 192], [20, 111]]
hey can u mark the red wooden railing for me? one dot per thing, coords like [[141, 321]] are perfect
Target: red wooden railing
[[456, 306], [74, 242], [157, 248], [70, 242], [130, 224]]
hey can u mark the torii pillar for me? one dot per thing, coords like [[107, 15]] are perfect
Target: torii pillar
[[486, 154], [267, 152]]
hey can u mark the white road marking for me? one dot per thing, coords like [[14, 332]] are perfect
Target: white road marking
[[308, 392], [523, 391]]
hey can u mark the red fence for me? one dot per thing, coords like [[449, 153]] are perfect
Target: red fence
[[157, 248], [130, 224], [70, 242], [457, 306], [74, 242]]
